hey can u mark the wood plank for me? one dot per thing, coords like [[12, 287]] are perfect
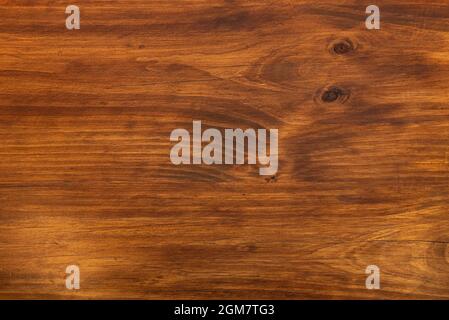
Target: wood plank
[[86, 178]]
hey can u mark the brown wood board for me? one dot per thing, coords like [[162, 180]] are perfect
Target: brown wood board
[[86, 177]]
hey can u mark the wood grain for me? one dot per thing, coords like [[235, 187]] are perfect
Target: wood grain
[[86, 179]]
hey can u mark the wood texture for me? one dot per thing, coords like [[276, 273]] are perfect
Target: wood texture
[[86, 179]]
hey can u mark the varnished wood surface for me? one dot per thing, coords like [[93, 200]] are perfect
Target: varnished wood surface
[[86, 179]]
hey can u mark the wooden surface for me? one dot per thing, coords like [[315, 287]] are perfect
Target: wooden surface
[[86, 179]]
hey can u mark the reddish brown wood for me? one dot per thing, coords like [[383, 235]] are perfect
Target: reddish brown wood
[[86, 179]]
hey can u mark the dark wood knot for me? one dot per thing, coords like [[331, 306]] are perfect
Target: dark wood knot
[[331, 94], [334, 94], [342, 46]]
